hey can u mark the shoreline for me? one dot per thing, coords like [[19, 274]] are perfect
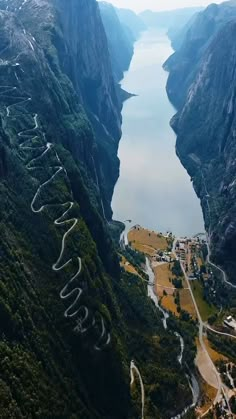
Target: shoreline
[[161, 164]]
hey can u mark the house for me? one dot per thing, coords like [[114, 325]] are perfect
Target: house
[[230, 322], [157, 258], [181, 246]]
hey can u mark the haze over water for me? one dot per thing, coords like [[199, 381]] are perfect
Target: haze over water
[[153, 190]]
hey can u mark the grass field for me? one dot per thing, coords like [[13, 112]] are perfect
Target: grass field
[[209, 396], [143, 248], [167, 302], [186, 303], [205, 309], [215, 356], [162, 275], [199, 262], [128, 267], [147, 241]]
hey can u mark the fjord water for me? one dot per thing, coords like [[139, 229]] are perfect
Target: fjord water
[[153, 190]]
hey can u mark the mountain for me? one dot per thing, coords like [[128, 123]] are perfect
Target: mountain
[[202, 75], [72, 50], [173, 20], [71, 321], [132, 22], [120, 42], [183, 64], [177, 35]]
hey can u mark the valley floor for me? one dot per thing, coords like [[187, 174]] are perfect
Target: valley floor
[[182, 278]]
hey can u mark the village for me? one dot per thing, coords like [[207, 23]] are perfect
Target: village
[[164, 250], [184, 280]]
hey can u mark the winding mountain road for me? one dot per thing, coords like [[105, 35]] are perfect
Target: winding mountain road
[[132, 369], [224, 276], [28, 143]]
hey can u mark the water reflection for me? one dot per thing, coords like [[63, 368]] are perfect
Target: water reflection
[[153, 190]]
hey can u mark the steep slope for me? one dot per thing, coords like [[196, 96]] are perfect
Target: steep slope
[[90, 72], [178, 35], [42, 198], [205, 126], [120, 44], [132, 22], [74, 50], [70, 324], [183, 64]]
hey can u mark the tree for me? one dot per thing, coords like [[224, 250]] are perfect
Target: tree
[[203, 269], [212, 319], [233, 404], [176, 269], [177, 283]]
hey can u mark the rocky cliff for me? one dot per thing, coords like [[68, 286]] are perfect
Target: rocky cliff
[[75, 51], [194, 40], [132, 23], [119, 42], [202, 84], [70, 323]]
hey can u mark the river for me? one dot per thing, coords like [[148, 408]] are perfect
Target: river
[[153, 189]]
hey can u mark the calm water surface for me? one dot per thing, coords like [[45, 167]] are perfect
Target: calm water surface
[[153, 190]]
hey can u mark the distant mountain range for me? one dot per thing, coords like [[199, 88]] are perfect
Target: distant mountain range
[[173, 20]]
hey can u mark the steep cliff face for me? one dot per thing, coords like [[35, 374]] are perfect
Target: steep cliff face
[[69, 324], [132, 23], [90, 71], [120, 44], [76, 46], [50, 265], [178, 34], [206, 127], [183, 65]]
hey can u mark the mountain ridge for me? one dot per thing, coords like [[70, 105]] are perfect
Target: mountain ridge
[[205, 122]]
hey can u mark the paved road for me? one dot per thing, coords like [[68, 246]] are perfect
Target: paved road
[[219, 333], [171, 288], [132, 369], [209, 364], [220, 385], [224, 276], [28, 142]]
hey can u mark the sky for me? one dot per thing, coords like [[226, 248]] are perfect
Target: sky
[[140, 5]]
